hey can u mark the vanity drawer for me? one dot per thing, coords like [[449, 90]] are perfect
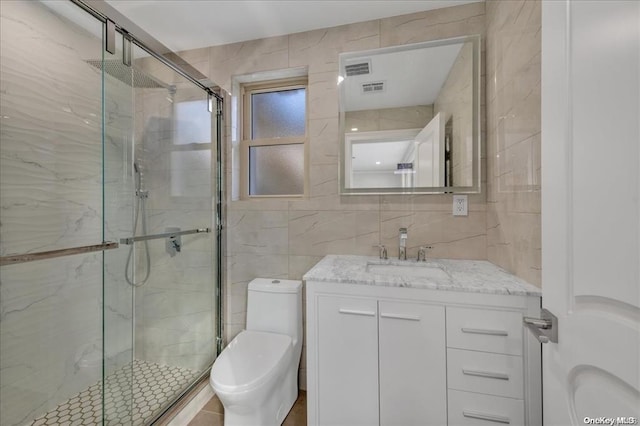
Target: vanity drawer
[[485, 330], [467, 408], [494, 374]]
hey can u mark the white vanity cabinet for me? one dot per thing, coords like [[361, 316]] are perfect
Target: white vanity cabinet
[[347, 339], [367, 354], [390, 356]]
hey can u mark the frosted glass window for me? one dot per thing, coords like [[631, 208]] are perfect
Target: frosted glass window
[[276, 170], [193, 123], [278, 114]]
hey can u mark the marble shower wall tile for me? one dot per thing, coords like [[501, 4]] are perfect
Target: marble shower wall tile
[[304, 230], [513, 49], [49, 323], [175, 308], [51, 176]]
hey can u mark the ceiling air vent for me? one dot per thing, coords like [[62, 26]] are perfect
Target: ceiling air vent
[[373, 87], [358, 68]]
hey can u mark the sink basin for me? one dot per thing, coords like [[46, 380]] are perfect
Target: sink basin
[[417, 270]]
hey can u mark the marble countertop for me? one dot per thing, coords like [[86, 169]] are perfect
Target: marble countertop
[[478, 276]]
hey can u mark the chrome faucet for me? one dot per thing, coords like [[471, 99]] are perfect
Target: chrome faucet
[[402, 254], [422, 253]]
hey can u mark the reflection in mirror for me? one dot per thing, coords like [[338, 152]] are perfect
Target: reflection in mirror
[[409, 116]]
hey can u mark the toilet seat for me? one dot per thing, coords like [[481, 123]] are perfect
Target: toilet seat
[[250, 360]]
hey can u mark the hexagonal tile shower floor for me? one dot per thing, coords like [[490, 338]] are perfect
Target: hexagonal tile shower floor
[[153, 386]]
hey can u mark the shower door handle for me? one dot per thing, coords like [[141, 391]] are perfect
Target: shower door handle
[[132, 240], [30, 257]]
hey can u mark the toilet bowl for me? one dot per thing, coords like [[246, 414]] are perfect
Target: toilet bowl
[[256, 375]]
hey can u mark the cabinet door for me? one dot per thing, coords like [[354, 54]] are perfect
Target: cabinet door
[[347, 361], [413, 387]]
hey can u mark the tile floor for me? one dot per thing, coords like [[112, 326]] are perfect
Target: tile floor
[[153, 386], [212, 414]]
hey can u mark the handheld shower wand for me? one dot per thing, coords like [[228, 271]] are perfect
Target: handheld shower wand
[[141, 198]]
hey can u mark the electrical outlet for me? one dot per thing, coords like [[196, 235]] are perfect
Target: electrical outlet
[[460, 205]]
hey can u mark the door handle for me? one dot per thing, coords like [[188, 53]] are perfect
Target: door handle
[[545, 328]]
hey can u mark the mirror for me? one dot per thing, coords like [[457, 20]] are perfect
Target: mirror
[[410, 118]]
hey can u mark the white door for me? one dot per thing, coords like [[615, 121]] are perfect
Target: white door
[[590, 209]]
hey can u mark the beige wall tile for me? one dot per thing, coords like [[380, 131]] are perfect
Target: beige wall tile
[[244, 267], [451, 237], [197, 58], [323, 95], [261, 204], [514, 242], [319, 49], [433, 25], [513, 137], [261, 232], [323, 141], [318, 233], [247, 57], [299, 265], [323, 180], [337, 202], [429, 202]]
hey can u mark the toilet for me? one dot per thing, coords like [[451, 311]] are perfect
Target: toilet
[[256, 375]]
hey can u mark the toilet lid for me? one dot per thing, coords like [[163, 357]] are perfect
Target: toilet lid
[[251, 359]]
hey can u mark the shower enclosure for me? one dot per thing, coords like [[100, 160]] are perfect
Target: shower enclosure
[[109, 212]]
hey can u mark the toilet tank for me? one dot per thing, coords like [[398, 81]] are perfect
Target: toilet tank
[[276, 306]]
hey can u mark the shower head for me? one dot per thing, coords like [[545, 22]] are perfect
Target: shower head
[[129, 75]]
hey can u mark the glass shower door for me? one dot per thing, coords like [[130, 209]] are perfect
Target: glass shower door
[[175, 310], [51, 199], [163, 211]]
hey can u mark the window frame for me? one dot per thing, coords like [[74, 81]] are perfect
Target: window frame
[[246, 142]]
